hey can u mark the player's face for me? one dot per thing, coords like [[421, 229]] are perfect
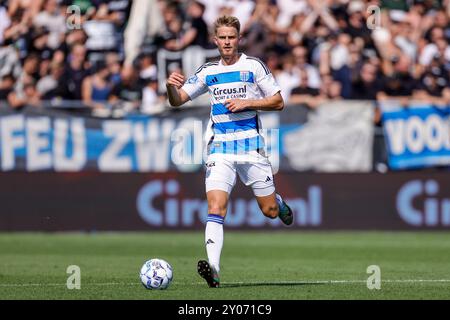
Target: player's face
[[227, 41]]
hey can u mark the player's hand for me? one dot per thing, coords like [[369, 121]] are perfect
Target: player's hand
[[176, 79], [236, 105]]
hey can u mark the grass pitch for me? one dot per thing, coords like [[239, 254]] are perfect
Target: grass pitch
[[255, 265]]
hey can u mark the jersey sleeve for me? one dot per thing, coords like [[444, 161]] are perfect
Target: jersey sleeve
[[265, 80], [195, 85]]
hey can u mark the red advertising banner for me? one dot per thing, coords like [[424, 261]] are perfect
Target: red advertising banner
[[93, 201]]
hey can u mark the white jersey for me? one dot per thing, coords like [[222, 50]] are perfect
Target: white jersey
[[249, 78]]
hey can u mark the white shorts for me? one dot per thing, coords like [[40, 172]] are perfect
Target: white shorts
[[221, 175]]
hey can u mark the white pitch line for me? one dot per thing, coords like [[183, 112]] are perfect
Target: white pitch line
[[331, 282], [234, 283], [63, 284]]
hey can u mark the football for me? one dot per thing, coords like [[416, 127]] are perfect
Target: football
[[156, 274]]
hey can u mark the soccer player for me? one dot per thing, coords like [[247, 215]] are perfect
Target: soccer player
[[239, 87]]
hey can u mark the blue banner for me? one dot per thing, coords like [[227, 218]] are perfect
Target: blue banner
[[334, 137], [48, 139], [417, 136]]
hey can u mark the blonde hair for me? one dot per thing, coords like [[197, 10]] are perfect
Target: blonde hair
[[227, 21]]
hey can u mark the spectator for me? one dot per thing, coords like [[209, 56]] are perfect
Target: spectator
[[152, 102], [318, 25], [30, 8], [5, 21], [290, 10], [432, 84], [52, 20], [196, 31], [300, 54], [255, 31], [28, 97], [170, 34], [39, 43], [331, 90], [116, 11], [75, 72], [6, 86], [399, 82], [97, 88], [335, 59], [241, 9], [104, 30], [404, 36], [408, 55], [197, 34], [287, 77], [367, 85], [9, 61], [172, 38], [439, 45], [113, 62], [357, 57], [357, 27], [304, 88], [101, 34], [435, 79], [147, 67], [29, 74], [273, 62], [17, 34], [77, 36], [44, 65], [47, 85], [295, 34], [128, 93]]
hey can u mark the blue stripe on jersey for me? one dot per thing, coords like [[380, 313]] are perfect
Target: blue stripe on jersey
[[219, 108], [228, 77], [237, 146], [233, 126]]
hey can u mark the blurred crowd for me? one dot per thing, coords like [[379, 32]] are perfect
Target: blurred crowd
[[105, 52]]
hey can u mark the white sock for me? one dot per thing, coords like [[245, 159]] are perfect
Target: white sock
[[214, 239]]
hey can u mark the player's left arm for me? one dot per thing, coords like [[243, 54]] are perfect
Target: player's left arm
[[272, 103]]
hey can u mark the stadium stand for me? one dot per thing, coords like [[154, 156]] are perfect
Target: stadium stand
[[334, 42]]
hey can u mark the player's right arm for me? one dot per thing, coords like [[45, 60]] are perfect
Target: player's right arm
[[176, 95]]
